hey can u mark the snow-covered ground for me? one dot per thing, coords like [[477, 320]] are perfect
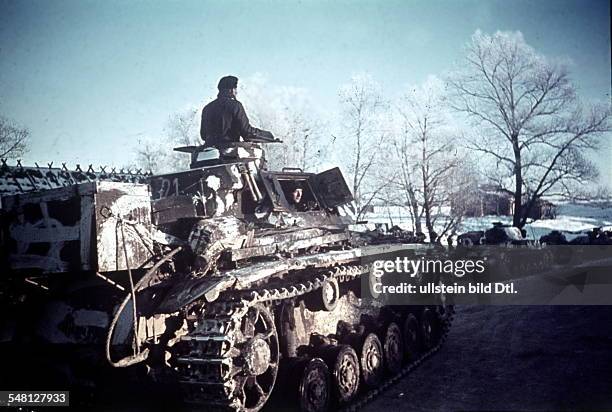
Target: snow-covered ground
[[572, 218]]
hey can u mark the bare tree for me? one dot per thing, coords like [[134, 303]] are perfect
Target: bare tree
[[290, 114], [426, 152], [463, 193], [152, 156], [182, 129], [301, 133], [600, 193], [528, 117], [405, 182], [157, 155], [365, 135], [13, 139]]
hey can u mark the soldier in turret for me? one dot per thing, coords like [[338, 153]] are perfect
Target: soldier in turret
[[224, 121]]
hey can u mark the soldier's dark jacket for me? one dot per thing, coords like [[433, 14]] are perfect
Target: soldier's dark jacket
[[224, 121]]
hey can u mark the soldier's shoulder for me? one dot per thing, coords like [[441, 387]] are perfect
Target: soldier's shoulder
[[226, 104], [210, 104]]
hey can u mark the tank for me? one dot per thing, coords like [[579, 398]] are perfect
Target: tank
[[228, 280]]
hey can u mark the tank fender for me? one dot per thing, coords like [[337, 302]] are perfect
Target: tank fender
[[186, 291]]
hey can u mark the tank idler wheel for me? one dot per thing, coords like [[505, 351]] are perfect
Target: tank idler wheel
[[314, 388], [326, 298], [344, 366], [393, 348], [411, 338], [430, 328]]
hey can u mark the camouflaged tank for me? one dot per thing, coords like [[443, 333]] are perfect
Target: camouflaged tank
[[229, 280]]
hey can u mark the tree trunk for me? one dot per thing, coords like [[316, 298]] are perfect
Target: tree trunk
[[414, 207], [433, 236], [527, 210], [426, 202], [518, 185]]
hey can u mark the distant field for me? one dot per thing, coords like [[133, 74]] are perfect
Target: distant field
[[571, 217]]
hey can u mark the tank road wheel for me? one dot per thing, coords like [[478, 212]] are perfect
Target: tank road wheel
[[371, 360], [314, 387], [411, 336], [430, 328], [330, 294], [257, 341], [344, 367], [393, 348], [326, 298]]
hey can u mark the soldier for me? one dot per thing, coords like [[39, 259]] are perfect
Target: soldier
[[296, 198], [224, 120]]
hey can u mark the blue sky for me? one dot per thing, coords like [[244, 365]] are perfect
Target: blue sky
[[89, 78]]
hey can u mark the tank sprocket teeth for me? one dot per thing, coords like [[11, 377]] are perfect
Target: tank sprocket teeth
[[252, 359]]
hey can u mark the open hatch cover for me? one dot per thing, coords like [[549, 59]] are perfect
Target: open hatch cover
[[331, 188]]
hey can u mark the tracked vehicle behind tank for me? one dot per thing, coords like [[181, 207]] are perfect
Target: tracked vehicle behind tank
[[509, 253], [219, 279]]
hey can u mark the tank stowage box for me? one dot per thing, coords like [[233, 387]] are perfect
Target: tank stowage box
[[78, 228]]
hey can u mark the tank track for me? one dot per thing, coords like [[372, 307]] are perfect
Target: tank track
[[207, 362], [369, 396]]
